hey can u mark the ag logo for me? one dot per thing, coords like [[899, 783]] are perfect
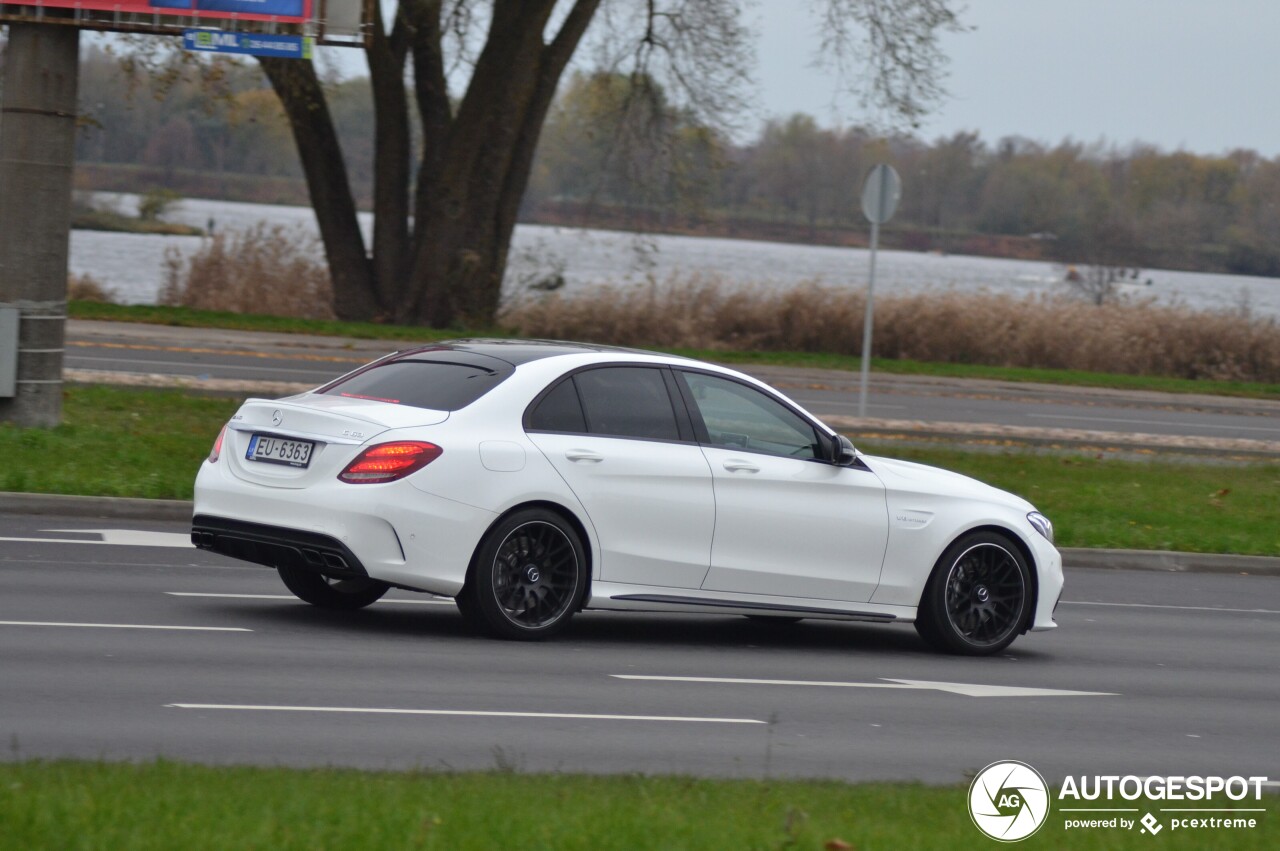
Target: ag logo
[[1008, 801]]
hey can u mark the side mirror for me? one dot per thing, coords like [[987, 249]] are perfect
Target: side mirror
[[844, 454]]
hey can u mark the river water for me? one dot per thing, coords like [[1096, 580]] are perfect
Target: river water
[[133, 264]]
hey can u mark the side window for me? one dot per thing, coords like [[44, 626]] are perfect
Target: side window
[[559, 410], [627, 401], [740, 417]]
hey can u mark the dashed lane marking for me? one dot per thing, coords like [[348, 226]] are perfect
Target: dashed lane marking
[[127, 626], [295, 599], [1179, 608], [472, 713]]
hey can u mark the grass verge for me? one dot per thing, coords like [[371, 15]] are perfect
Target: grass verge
[[163, 805], [115, 442], [150, 443], [1145, 505], [189, 318]]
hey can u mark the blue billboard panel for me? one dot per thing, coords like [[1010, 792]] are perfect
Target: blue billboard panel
[[283, 8], [250, 44]]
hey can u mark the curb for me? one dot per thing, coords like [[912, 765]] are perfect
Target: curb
[[1169, 562], [110, 507], [120, 508]]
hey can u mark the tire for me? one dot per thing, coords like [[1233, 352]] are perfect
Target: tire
[[528, 577], [327, 593], [978, 598]]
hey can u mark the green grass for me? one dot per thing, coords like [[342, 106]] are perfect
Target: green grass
[[188, 318], [115, 443], [164, 805], [150, 443], [1149, 505]]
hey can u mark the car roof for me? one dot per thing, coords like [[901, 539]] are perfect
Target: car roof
[[517, 352]]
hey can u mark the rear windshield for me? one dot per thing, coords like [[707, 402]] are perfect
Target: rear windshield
[[438, 385]]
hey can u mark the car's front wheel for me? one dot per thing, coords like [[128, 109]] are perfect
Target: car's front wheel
[[978, 598], [528, 578], [329, 593]]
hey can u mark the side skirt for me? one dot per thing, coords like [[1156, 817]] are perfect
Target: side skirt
[[638, 598]]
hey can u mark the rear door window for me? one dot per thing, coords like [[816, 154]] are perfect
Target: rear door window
[[627, 401]]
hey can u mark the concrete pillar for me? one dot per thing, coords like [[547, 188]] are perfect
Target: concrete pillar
[[37, 154]]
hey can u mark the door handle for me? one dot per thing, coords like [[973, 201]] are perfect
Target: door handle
[[583, 456], [737, 465]]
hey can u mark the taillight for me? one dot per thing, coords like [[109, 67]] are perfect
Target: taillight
[[217, 446], [388, 462]]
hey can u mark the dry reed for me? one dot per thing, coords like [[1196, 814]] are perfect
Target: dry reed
[[265, 269], [1056, 332]]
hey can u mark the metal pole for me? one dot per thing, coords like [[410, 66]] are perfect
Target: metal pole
[[867, 322], [37, 154]]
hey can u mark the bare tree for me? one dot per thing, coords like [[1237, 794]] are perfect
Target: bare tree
[[445, 213]]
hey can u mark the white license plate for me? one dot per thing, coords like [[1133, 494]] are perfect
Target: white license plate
[[280, 450]]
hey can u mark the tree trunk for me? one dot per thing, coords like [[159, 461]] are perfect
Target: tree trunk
[[473, 171], [295, 82], [469, 201]]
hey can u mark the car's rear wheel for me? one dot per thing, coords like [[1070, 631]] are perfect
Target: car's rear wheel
[[528, 578], [329, 593], [978, 598]]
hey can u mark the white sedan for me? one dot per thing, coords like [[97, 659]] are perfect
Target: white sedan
[[531, 480]]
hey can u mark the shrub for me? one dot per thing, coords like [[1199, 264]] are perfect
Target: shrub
[[89, 288]]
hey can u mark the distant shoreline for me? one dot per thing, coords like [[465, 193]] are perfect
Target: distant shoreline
[[245, 188]]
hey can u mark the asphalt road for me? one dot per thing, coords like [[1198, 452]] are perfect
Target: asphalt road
[[248, 356], [123, 651]]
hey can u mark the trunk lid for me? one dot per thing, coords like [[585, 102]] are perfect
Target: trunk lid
[[310, 438]]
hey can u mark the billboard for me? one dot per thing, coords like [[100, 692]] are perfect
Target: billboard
[[329, 21], [284, 11]]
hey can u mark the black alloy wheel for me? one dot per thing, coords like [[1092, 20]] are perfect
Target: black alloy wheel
[[978, 599], [528, 577], [329, 593]]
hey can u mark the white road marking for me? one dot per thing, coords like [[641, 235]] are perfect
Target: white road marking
[[1151, 422], [1182, 608], [967, 689], [577, 716], [114, 538], [295, 599], [127, 626]]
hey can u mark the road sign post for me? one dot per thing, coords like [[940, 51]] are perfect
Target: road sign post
[[880, 195]]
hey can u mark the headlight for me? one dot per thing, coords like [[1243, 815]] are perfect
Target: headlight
[[1042, 525]]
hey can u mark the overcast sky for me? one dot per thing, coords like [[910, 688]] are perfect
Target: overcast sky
[[1199, 75]]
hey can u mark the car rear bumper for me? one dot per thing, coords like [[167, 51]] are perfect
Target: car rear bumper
[[274, 546], [391, 532]]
